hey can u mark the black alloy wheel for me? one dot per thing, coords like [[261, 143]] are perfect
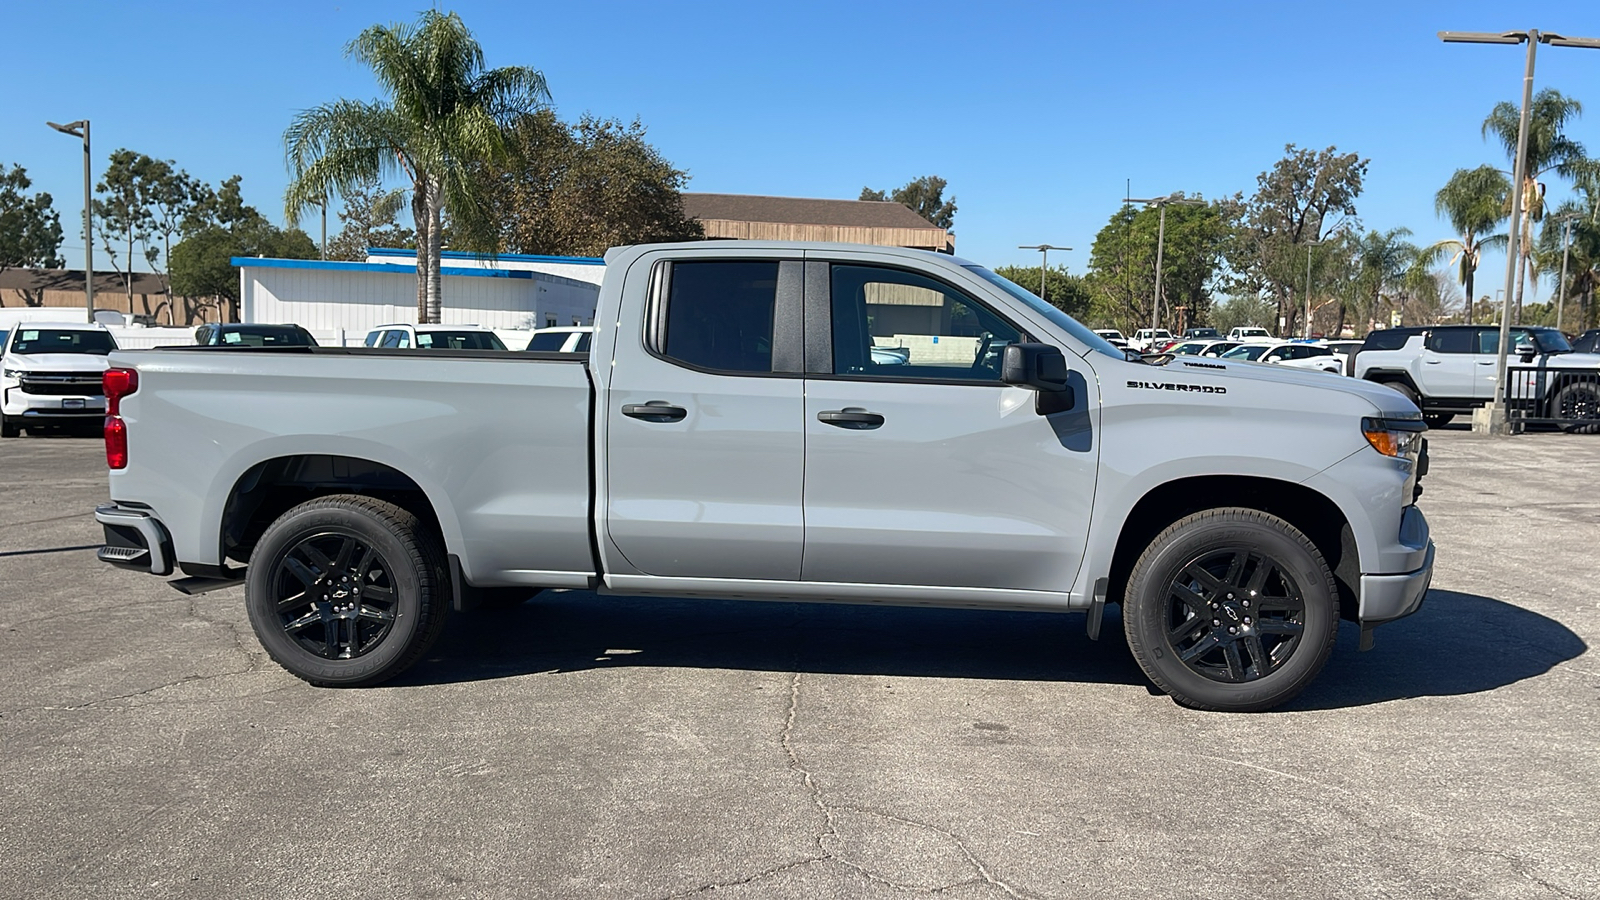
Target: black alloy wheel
[[1578, 405], [1234, 615], [346, 590], [335, 595], [1231, 609]]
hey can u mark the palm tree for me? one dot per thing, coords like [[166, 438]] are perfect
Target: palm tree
[[444, 115], [1549, 149], [1382, 260], [1474, 201]]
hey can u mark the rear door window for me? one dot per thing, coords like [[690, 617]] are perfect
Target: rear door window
[[719, 315], [1451, 340]]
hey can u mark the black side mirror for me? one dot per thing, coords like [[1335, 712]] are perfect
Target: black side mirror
[[1037, 366], [1042, 368]]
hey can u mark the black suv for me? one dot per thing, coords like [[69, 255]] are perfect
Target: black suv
[[231, 334]]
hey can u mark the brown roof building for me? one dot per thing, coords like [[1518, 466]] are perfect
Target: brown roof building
[[64, 287], [750, 217]]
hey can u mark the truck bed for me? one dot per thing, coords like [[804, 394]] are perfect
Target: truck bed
[[498, 442]]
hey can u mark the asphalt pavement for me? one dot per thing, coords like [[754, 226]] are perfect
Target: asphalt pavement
[[596, 747]]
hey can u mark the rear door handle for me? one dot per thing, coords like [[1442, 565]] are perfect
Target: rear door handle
[[850, 417], [654, 411]]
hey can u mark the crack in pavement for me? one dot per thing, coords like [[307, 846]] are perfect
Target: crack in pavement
[[830, 827], [252, 660]]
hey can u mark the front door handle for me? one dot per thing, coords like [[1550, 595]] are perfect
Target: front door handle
[[654, 411], [850, 417]]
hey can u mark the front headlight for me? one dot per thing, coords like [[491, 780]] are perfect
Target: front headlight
[[1402, 440], [1399, 438], [13, 373]]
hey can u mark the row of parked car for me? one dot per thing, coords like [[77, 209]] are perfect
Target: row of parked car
[[1253, 344], [50, 373]]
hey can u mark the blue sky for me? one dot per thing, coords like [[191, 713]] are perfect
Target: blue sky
[[1036, 113]]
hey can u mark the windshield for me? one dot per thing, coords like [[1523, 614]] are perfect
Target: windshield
[[1057, 318], [1245, 353], [264, 337], [458, 340], [50, 340], [1553, 341], [549, 341]]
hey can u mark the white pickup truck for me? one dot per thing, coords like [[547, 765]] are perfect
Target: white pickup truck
[[50, 374], [738, 431]]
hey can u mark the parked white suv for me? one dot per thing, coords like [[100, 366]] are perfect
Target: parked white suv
[[1254, 335], [52, 375], [434, 337], [565, 339], [1293, 355]]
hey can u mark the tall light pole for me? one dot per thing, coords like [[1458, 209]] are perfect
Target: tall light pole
[[1044, 264], [1309, 245], [1566, 220], [80, 128], [1533, 38], [1162, 203]]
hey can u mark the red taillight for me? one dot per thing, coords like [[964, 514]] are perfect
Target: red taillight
[[116, 442], [116, 384]]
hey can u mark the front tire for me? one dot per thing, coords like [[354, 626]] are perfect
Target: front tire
[[1231, 609], [8, 428], [1578, 401], [346, 590]]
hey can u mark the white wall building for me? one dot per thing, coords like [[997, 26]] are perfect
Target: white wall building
[[579, 268], [340, 301]]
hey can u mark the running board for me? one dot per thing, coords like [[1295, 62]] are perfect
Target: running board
[[194, 585]]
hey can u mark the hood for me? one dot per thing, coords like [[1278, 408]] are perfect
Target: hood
[[1565, 360], [1384, 400], [58, 362]]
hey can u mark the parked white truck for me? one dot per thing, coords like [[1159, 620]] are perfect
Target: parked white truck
[[733, 434], [50, 374]]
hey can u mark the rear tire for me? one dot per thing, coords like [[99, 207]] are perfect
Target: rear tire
[[1578, 401], [1438, 420], [1231, 609], [347, 591]]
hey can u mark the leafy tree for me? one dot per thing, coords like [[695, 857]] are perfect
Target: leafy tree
[[579, 189], [1549, 150], [444, 115], [1243, 310], [1068, 293], [1122, 262], [1474, 201], [924, 196], [1384, 261], [219, 227], [123, 211], [30, 229], [1307, 195], [368, 220], [1583, 259]]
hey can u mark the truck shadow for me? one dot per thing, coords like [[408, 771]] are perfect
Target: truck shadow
[[1457, 644]]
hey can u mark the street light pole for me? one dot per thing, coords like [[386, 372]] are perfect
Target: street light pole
[[1309, 245], [1162, 203], [1533, 38], [1044, 264], [1566, 251], [80, 128]]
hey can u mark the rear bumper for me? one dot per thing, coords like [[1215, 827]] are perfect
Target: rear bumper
[[135, 540]]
